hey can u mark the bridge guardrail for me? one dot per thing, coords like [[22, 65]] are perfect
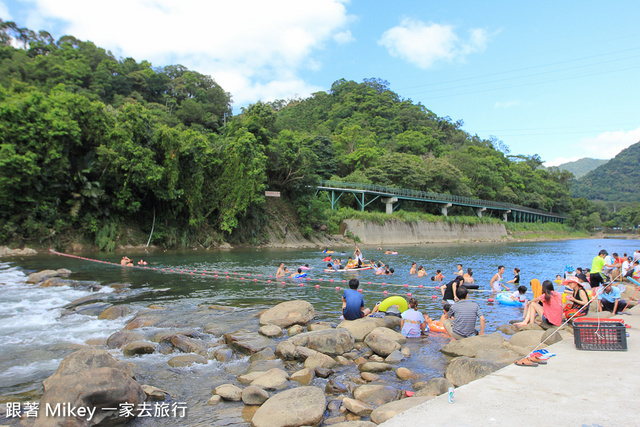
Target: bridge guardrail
[[435, 197]]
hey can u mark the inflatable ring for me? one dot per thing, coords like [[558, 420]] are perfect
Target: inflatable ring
[[437, 326], [402, 304], [504, 298]]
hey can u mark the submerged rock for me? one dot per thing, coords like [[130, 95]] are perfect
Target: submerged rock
[[137, 348], [185, 360]]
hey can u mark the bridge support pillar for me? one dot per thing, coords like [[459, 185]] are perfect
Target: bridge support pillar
[[444, 207], [389, 201], [504, 215], [479, 211]]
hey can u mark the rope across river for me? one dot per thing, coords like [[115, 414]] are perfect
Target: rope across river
[[269, 279]]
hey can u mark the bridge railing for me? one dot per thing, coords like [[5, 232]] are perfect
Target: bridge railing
[[434, 197]]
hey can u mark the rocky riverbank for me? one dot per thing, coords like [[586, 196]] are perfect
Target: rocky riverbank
[[283, 366]]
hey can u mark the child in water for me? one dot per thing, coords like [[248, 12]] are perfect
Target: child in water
[[519, 294]]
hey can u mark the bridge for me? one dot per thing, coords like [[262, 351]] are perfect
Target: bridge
[[365, 194]]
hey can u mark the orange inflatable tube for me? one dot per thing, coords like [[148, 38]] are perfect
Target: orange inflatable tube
[[437, 326]]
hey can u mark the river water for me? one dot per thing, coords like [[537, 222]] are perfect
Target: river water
[[35, 335]]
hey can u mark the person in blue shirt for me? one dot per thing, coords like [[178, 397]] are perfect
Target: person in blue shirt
[[353, 303], [609, 299]]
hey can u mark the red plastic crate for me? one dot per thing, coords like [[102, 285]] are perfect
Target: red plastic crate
[[600, 334]]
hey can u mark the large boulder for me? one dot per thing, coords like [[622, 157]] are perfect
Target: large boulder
[[391, 409], [91, 379], [470, 346], [376, 394], [319, 360], [360, 328], [434, 387], [300, 406], [384, 341], [328, 341], [246, 341], [288, 313], [463, 370], [85, 360], [94, 389], [527, 338], [41, 275]]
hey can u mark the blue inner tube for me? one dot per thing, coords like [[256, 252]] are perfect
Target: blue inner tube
[[505, 298]]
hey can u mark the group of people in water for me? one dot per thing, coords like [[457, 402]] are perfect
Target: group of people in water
[[460, 314], [127, 262]]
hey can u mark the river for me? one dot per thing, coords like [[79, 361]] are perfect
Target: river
[[35, 337]]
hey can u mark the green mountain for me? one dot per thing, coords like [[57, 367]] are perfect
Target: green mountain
[[583, 166], [615, 181]]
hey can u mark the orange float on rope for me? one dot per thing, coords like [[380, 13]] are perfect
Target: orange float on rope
[[421, 286], [317, 286], [408, 294]]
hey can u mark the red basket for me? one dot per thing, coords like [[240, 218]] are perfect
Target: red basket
[[600, 334]]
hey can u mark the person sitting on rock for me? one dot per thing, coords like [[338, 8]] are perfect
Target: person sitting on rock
[[353, 303], [413, 322], [609, 299], [550, 311], [464, 314]]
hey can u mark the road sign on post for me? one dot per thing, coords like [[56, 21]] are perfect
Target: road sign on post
[[272, 194]]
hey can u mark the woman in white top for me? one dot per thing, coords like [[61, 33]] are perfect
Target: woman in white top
[[413, 322]]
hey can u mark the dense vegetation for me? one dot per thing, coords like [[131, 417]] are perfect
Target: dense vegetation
[[583, 166], [91, 146]]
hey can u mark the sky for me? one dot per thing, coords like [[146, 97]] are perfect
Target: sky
[[553, 78]]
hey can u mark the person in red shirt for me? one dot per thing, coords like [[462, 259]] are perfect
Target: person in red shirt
[[551, 309]]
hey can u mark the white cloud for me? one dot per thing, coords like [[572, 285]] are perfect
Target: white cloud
[[344, 37], [249, 47], [507, 104], [609, 144], [426, 44], [606, 145]]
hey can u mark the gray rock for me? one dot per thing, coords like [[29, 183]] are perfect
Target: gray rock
[[300, 406], [319, 360], [154, 393], [121, 338], [264, 354], [288, 313], [395, 357], [137, 348], [433, 387], [527, 338], [335, 387], [41, 275], [383, 341], [405, 374], [246, 341], [357, 407], [253, 395], [185, 360], [360, 328], [329, 341], [376, 395], [374, 367], [319, 326], [273, 379], [229, 392], [295, 330], [223, 354], [188, 345], [304, 376], [270, 331], [391, 409], [470, 346], [323, 372], [115, 312], [463, 370]]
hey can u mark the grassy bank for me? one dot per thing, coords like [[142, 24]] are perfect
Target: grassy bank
[[543, 231]]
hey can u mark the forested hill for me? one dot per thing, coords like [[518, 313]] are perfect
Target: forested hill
[[581, 167], [615, 181], [94, 146]]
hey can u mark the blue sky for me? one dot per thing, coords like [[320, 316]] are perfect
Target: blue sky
[[554, 78]]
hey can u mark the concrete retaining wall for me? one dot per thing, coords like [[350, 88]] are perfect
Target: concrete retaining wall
[[394, 232]]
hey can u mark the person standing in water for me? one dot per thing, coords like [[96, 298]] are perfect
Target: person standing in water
[[516, 278], [280, 272], [497, 280]]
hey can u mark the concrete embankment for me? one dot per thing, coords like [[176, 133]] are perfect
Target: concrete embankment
[[394, 232], [576, 387]]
